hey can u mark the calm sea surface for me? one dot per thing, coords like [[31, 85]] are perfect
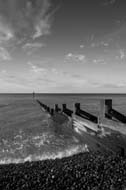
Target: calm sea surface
[[25, 131]]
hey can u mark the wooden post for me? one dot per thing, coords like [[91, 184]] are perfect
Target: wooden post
[[52, 112], [57, 109], [48, 109], [122, 152], [108, 108], [77, 107], [102, 111], [64, 106], [33, 95]]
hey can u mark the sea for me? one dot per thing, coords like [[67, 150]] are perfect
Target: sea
[[26, 133]]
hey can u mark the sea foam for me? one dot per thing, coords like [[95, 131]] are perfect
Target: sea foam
[[49, 155]]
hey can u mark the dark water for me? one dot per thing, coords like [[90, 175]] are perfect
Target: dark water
[[26, 133]]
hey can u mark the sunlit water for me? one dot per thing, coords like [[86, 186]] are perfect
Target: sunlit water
[[26, 133]]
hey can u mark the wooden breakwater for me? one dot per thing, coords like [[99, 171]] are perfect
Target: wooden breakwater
[[86, 121], [106, 111], [82, 120]]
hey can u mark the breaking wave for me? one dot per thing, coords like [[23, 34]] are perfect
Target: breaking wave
[[50, 142], [60, 154]]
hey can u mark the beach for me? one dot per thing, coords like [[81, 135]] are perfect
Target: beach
[[83, 171]]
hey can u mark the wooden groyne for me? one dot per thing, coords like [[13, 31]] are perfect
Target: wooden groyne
[[83, 121], [106, 111], [85, 114], [66, 110], [111, 113]]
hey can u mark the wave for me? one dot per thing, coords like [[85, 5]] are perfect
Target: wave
[[49, 155]]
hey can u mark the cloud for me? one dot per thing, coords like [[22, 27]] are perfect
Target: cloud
[[116, 37], [82, 46], [32, 45], [76, 76], [6, 33], [3, 72], [99, 61], [76, 58], [122, 54], [54, 71], [53, 75], [4, 55], [24, 19], [111, 85], [31, 48], [108, 85], [108, 2], [99, 44], [37, 70]]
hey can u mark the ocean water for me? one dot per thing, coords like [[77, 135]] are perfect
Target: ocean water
[[26, 133]]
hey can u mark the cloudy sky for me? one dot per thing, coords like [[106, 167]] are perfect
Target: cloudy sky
[[69, 46]]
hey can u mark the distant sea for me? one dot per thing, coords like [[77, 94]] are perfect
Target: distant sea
[[27, 135]]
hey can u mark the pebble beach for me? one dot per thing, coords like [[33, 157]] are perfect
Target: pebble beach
[[85, 171]]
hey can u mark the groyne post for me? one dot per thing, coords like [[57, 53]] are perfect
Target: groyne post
[[77, 108], [122, 151], [48, 109], [108, 108], [66, 110], [52, 111], [101, 111], [85, 114], [64, 106], [57, 109]]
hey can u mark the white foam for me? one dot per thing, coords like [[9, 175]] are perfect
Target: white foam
[[77, 130], [18, 136], [20, 147], [40, 143], [42, 139], [60, 154]]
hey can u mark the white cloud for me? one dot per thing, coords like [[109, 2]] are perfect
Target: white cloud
[[111, 85], [99, 61], [108, 2], [122, 54], [42, 28], [27, 20], [69, 55], [33, 45], [36, 69], [104, 44], [99, 44], [31, 48], [4, 54], [80, 58], [82, 46], [3, 71], [6, 33], [55, 71], [93, 45], [22, 22]]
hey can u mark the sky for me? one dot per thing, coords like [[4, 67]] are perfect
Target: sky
[[63, 46]]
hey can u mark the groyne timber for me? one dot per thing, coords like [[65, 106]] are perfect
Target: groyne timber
[[109, 121]]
